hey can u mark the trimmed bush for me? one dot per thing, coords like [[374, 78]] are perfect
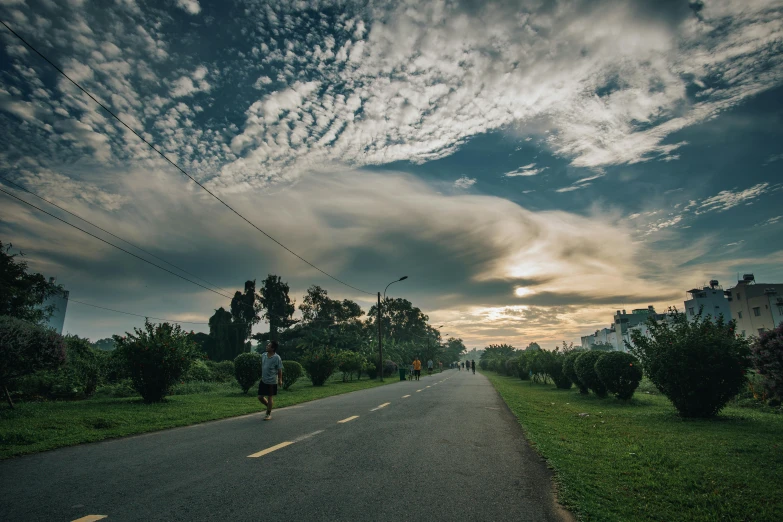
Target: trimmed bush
[[222, 371], [390, 368], [570, 371], [767, 356], [349, 363], [484, 364], [585, 371], [699, 365], [319, 364], [247, 370], [371, 369], [198, 371], [292, 370], [155, 357], [26, 348], [553, 366], [620, 372]]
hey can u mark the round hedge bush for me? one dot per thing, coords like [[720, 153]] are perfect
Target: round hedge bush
[[620, 372], [222, 371], [371, 369], [570, 371], [320, 364], [198, 371], [585, 372], [247, 370], [292, 370]]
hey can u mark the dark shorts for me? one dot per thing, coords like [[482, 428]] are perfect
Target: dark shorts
[[266, 390], [417, 373]]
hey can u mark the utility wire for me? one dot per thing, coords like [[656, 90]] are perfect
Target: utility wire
[[129, 313], [162, 155], [20, 187]]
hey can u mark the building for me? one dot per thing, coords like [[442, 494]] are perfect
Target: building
[[59, 304], [710, 301], [756, 307]]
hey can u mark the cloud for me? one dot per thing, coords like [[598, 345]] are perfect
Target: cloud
[[771, 221], [527, 170], [464, 182], [189, 6], [190, 85], [727, 199]]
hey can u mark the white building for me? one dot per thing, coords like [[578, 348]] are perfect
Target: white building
[[756, 307], [710, 300]]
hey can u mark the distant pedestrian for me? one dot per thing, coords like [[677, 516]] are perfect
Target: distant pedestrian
[[410, 371], [473, 366], [417, 368], [271, 377], [429, 366]]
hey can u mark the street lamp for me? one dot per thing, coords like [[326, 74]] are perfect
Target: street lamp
[[380, 339]]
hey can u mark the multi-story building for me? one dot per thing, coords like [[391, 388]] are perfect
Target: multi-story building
[[756, 307], [710, 301], [59, 304]]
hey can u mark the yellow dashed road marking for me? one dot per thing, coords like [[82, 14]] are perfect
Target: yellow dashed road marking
[[428, 386], [417, 391], [349, 419], [405, 396], [270, 450], [91, 518], [381, 406]]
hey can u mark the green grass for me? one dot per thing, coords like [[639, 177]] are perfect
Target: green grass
[[640, 461], [39, 426]]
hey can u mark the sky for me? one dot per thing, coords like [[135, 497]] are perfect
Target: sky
[[532, 166]]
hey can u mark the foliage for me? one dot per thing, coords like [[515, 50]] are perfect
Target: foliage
[[247, 370], [401, 320], [585, 372], [533, 347], [21, 293], [484, 364], [292, 370], [122, 388], [319, 364], [198, 371], [106, 344], [244, 310], [26, 348], [155, 358], [371, 369], [222, 371], [278, 307], [390, 368], [570, 371], [699, 365], [349, 363], [767, 358], [602, 347], [553, 365], [226, 338], [620, 372]]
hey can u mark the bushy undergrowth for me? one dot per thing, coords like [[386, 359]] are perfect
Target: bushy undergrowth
[[371, 369], [222, 371], [390, 368], [350, 363], [620, 372], [198, 371], [699, 365], [292, 370], [585, 372], [767, 358]]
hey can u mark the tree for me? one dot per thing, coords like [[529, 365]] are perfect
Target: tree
[[767, 357], [401, 320], [278, 307], [26, 348], [228, 341], [533, 347], [106, 344], [21, 293], [244, 310]]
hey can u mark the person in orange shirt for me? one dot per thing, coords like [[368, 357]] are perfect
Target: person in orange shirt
[[417, 368]]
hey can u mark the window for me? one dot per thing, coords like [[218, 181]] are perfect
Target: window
[[690, 311], [757, 311], [743, 332], [739, 315]]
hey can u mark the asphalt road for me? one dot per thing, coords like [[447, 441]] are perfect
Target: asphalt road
[[443, 448]]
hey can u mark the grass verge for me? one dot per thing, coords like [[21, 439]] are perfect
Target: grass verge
[[39, 426], [640, 461]]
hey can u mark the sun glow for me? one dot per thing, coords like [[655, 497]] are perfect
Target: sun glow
[[522, 291]]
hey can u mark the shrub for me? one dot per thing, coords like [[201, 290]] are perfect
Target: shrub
[[767, 356], [512, 366], [484, 364], [120, 389], [26, 348], [198, 371], [620, 372], [390, 368], [292, 370], [699, 365], [570, 371], [349, 363], [222, 371], [247, 369], [320, 364], [371, 369], [155, 357], [585, 371]]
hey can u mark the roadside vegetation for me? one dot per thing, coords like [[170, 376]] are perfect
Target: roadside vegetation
[[687, 426]]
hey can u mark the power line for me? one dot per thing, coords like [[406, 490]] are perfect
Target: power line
[[20, 187], [130, 313], [162, 155]]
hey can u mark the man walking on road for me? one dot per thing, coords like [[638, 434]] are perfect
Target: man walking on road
[[271, 377], [473, 366], [429, 366], [417, 368]]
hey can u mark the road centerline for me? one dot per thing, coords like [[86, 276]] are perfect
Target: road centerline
[[90, 518], [381, 406], [349, 419], [405, 396], [270, 449]]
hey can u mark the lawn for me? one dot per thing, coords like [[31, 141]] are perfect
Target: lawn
[[640, 461], [41, 426]]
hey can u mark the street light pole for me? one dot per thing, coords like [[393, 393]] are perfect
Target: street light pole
[[380, 316]]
